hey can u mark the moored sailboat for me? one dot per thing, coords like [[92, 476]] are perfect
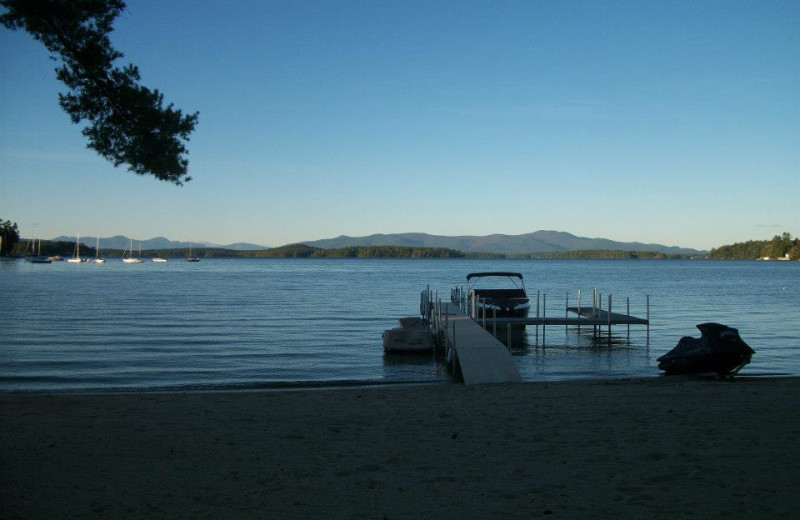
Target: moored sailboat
[[191, 258], [37, 258], [97, 258], [77, 258], [130, 259]]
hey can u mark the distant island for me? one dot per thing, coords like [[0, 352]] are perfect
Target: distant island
[[781, 247]]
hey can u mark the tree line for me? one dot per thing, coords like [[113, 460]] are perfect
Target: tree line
[[607, 254], [778, 247], [304, 251]]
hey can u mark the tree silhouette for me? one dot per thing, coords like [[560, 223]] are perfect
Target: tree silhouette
[[10, 233], [127, 122]]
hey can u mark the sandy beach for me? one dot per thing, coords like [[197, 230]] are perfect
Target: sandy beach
[[655, 448]]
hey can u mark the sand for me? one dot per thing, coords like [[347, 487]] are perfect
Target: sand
[[656, 448]]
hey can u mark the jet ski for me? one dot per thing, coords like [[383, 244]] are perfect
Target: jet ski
[[718, 350]]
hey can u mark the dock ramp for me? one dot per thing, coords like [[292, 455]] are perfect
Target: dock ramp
[[480, 356]]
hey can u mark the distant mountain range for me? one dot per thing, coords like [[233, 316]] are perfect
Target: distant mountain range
[[536, 242], [121, 242]]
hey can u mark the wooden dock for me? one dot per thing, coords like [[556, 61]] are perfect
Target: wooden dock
[[475, 353]]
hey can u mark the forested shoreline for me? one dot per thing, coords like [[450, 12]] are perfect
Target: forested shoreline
[[779, 247], [66, 249]]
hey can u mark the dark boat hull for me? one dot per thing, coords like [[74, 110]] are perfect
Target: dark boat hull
[[719, 350], [502, 312], [501, 303]]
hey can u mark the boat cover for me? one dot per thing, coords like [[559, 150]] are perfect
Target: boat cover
[[493, 273]]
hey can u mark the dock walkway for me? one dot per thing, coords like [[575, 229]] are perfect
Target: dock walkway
[[480, 357]]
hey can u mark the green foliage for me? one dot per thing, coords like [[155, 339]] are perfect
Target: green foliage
[[47, 248], [128, 123], [287, 251], [10, 233], [778, 247], [303, 251], [608, 254]]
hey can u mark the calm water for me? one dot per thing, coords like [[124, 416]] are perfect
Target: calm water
[[254, 323]]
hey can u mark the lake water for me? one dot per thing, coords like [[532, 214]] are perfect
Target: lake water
[[263, 323]]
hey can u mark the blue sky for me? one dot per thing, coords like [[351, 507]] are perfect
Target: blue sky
[[671, 122]]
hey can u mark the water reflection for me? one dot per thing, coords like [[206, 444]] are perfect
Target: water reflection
[[561, 352], [409, 366]]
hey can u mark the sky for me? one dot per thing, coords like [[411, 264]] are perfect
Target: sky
[[674, 122]]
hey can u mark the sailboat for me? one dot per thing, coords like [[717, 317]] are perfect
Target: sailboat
[[77, 258], [191, 258], [97, 258], [38, 258], [131, 259]]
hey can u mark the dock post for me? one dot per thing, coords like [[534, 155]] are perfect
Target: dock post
[[452, 352], [474, 304], [439, 309], [579, 311], [566, 315], [648, 320], [428, 303], [437, 322], [594, 311], [628, 305], [439, 312], [437, 318], [544, 315], [599, 329], [446, 324], [483, 312], [494, 322], [609, 317], [537, 316]]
